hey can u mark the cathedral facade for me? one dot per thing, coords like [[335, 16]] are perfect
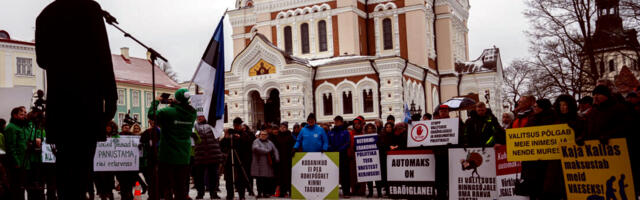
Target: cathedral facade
[[353, 57]]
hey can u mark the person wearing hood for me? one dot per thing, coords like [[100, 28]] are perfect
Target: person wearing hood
[[608, 118], [339, 141], [312, 138], [482, 129], [174, 152], [16, 142]]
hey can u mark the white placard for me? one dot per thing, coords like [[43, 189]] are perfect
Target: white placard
[[47, 153], [367, 158], [315, 175], [472, 173], [117, 154], [197, 102], [411, 165], [433, 132]]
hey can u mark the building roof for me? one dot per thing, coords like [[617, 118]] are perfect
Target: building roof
[[487, 62], [137, 71], [338, 60], [5, 37]]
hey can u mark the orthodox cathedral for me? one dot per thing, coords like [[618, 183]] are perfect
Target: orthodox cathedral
[[353, 57]]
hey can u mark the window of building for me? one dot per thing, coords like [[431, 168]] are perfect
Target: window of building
[[322, 35], [327, 102], [612, 66], [136, 117], [148, 98], [135, 98], [367, 100], [226, 114], [304, 37], [120, 119], [121, 99], [386, 34], [288, 44], [347, 105], [24, 66], [602, 67]]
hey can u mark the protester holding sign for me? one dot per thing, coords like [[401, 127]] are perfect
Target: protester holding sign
[[372, 129], [357, 189], [398, 140], [104, 180], [523, 112], [176, 122], [482, 128]]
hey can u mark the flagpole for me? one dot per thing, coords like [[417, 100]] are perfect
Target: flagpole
[[196, 73]]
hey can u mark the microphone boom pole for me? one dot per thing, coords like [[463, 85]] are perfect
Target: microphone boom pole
[[154, 55]]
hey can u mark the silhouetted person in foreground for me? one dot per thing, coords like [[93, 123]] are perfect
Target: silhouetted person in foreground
[[72, 46]]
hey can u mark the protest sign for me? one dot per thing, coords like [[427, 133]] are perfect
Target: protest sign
[[433, 132], [506, 175], [367, 158], [597, 171], [47, 153], [315, 175], [472, 173], [538, 142], [411, 174], [117, 154], [197, 102]]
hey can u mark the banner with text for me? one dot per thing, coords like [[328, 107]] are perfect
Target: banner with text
[[197, 102], [598, 171], [47, 153], [538, 142], [117, 154], [506, 175], [433, 132], [472, 173], [411, 174], [315, 175], [367, 158]]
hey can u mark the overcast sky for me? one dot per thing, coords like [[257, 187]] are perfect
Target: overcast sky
[[180, 30]]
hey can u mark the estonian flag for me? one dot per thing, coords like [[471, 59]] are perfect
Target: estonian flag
[[210, 77]]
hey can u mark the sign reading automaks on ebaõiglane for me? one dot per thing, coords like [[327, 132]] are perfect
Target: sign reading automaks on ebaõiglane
[[411, 174]]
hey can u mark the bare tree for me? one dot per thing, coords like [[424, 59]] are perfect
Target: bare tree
[[167, 69], [516, 80]]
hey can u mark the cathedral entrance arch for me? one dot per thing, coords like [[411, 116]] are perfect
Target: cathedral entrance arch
[[272, 107], [262, 112]]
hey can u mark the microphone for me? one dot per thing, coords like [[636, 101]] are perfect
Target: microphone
[[110, 19]]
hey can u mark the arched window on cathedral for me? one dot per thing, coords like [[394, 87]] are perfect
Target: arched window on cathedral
[[612, 66], [347, 102], [367, 100], [226, 114], [304, 37], [288, 44], [386, 34], [322, 35], [327, 102], [602, 67]]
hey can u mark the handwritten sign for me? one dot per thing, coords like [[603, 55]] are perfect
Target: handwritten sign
[[117, 154], [314, 175], [538, 142], [433, 132], [47, 153], [598, 171], [367, 158], [472, 173], [411, 174]]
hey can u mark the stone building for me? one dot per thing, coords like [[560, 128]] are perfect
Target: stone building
[[353, 57]]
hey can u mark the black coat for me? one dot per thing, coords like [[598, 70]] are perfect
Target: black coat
[[72, 46], [208, 150], [478, 131], [609, 119]]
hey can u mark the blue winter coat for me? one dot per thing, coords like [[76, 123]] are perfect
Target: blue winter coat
[[312, 139], [339, 139]]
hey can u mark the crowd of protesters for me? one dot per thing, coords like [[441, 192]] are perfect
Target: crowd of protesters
[[264, 154]]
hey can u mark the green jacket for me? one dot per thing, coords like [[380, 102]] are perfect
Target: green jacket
[[16, 142], [176, 122], [3, 148]]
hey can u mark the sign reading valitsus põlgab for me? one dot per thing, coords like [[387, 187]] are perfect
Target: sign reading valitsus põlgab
[[538, 142], [315, 175]]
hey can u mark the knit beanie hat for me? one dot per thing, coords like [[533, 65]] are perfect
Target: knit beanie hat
[[311, 116], [603, 90], [182, 95]]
